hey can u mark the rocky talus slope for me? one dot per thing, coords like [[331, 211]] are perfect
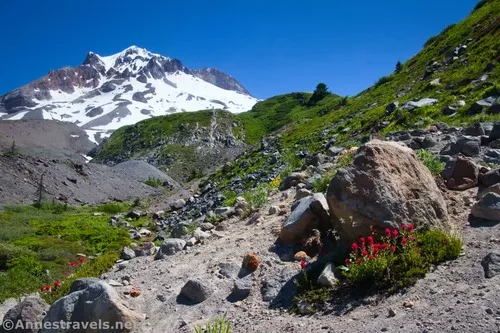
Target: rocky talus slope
[[202, 274]]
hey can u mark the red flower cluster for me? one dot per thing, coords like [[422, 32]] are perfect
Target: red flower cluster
[[303, 264], [77, 263], [368, 249], [49, 289]]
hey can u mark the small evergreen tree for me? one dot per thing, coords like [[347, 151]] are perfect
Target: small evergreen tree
[[399, 66], [320, 93]]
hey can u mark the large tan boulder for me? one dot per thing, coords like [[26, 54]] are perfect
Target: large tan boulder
[[385, 186]]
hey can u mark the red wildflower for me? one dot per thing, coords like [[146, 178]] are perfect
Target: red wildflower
[[42, 289], [403, 227], [370, 240], [359, 260], [404, 241], [411, 237], [395, 233], [375, 249], [410, 227], [362, 241], [57, 284], [52, 293], [303, 263], [73, 264], [354, 247], [47, 287], [387, 232], [393, 248], [370, 257], [384, 246], [347, 261], [82, 259], [364, 253]]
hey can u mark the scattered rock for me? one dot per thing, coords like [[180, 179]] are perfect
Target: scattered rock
[[170, 247], [488, 207], [327, 277], [196, 291], [307, 214], [273, 210], [491, 264], [292, 180], [229, 270], [178, 204], [461, 174], [418, 104], [31, 310], [127, 253], [243, 286], [408, 304], [302, 193], [490, 178], [301, 255], [391, 313], [251, 262], [385, 186]]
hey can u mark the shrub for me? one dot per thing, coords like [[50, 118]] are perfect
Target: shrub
[[320, 93], [112, 208], [321, 184], [230, 196], [432, 162], [218, 325], [383, 80], [398, 258], [258, 196], [154, 182]]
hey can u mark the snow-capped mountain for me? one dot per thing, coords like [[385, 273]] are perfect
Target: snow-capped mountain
[[105, 93]]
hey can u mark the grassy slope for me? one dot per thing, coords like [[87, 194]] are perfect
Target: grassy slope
[[306, 128], [302, 127], [36, 246]]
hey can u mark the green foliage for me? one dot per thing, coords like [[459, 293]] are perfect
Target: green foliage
[[112, 208], [154, 182], [397, 260], [230, 200], [258, 196], [319, 94], [383, 80], [37, 244], [432, 162], [218, 325], [321, 185], [437, 246]]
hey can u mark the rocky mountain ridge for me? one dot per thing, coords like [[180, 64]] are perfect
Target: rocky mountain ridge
[[105, 93]]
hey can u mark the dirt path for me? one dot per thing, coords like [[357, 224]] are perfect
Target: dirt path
[[455, 297]]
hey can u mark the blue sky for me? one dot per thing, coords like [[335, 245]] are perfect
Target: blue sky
[[271, 47]]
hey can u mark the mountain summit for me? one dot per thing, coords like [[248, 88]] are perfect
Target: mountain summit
[[107, 92]]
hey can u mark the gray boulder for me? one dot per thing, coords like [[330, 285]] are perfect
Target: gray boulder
[[92, 301], [488, 207], [302, 193], [242, 286], [307, 214], [328, 277], [490, 178], [196, 291], [461, 174], [178, 204], [170, 247], [28, 313], [385, 186], [127, 253], [495, 132], [474, 130], [491, 264], [293, 180], [418, 104]]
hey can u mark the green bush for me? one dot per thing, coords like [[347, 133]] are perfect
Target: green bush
[[321, 184], [112, 208], [230, 200], [432, 162], [218, 325], [383, 80], [154, 182], [397, 259], [258, 196]]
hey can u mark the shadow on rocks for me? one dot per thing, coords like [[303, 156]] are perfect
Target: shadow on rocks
[[481, 223]]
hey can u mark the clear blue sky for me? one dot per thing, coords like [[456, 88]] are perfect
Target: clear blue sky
[[271, 46]]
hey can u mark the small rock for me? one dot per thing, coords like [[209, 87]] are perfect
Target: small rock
[[301, 255], [408, 304], [491, 264], [127, 253], [251, 262], [391, 312], [327, 277], [273, 210], [135, 293], [196, 291], [243, 286]]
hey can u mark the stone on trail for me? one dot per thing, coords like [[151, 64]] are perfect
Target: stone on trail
[[488, 207], [196, 291]]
